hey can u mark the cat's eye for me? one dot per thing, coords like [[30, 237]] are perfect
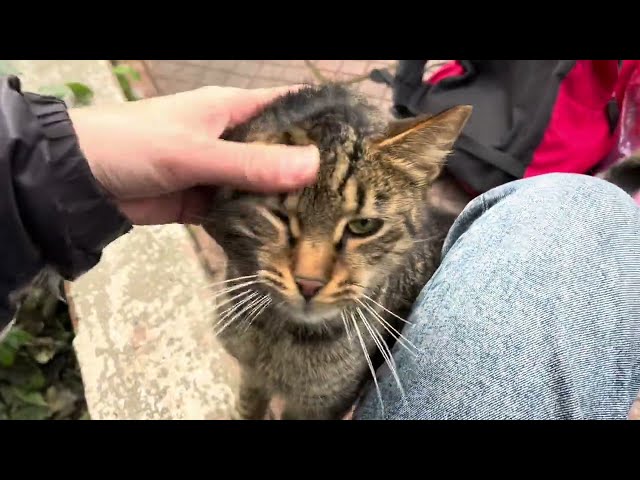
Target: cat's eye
[[364, 227]]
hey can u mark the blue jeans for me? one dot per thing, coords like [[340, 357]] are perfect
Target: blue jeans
[[533, 314]]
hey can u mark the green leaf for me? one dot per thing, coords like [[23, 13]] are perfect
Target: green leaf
[[16, 338], [82, 93], [124, 73], [59, 91], [31, 412], [35, 381], [16, 396], [127, 71], [9, 347], [24, 373], [44, 381], [30, 398], [7, 356]]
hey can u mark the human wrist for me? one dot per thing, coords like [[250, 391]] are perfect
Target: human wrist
[[75, 219]]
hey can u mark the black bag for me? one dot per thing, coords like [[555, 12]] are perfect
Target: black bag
[[530, 116]]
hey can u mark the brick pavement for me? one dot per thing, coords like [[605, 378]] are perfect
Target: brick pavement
[[172, 76]]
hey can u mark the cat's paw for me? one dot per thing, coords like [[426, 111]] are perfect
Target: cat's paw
[[235, 414]]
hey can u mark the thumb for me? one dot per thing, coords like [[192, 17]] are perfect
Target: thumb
[[256, 167]]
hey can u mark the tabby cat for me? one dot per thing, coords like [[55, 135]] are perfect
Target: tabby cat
[[319, 281]]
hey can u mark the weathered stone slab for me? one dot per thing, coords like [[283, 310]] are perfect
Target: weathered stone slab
[[144, 322]]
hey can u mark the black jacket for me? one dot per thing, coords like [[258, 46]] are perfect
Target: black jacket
[[53, 213]]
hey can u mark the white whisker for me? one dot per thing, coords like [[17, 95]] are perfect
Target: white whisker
[[233, 308], [232, 319], [226, 312], [385, 309], [252, 307], [366, 355], [230, 280], [390, 328], [259, 312], [346, 326], [425, 239], [236, 287], [218, 305], [256, 305], [384, 350]]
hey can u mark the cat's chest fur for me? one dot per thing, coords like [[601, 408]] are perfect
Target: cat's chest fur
[[293, 365]]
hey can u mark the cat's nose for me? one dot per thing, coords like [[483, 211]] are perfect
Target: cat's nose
[[309, 287]]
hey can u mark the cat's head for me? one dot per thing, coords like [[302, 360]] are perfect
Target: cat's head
[[317, 251]]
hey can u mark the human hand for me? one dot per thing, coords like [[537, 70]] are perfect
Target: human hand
[[158, 157]]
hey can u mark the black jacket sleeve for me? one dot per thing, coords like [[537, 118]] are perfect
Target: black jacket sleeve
[[53, 213]]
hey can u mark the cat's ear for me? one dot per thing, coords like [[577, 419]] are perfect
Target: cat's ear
[[420, 146]]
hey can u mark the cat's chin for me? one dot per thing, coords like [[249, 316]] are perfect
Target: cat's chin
[[311, 313]]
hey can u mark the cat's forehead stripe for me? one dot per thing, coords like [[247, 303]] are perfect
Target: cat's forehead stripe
[[361, 197], [350, 195], [340, 171], [291, 202], [348, 174], [370, 207], [346, 157], [338, 232], [294, 224]]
